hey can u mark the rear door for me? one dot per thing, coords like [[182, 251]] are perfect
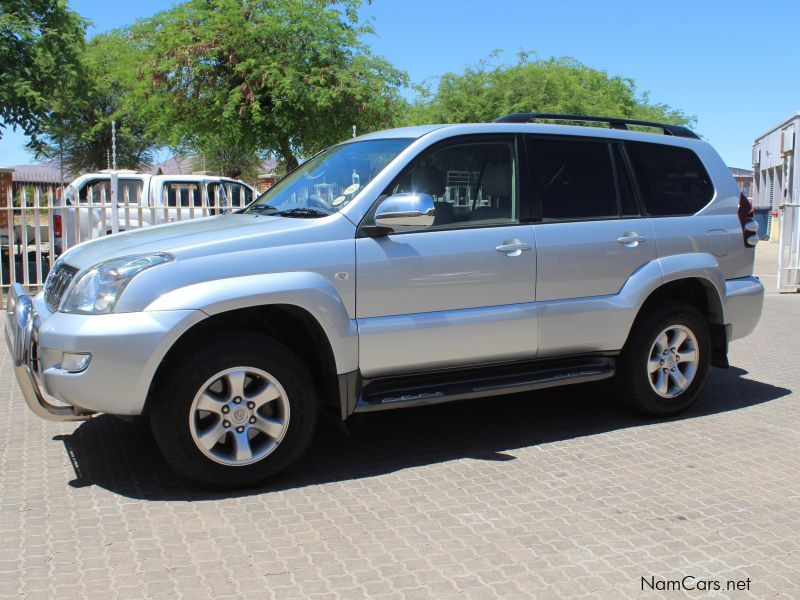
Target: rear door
[[590, 238]]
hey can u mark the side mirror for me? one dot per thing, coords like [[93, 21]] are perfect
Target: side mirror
[[405, 211]]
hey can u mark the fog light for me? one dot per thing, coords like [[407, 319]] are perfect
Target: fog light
[[75, 362]]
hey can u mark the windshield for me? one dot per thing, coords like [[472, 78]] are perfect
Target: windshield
[[329, 181]]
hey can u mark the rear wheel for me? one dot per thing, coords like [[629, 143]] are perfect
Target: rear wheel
[[664, 365], [236, 412]]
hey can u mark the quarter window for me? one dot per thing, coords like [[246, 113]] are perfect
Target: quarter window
[[470, 183], [672, 180], [573, 179]]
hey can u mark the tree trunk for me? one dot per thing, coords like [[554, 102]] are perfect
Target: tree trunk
[[285, 150]]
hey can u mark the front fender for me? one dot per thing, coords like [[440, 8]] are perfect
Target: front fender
[[306, 290]]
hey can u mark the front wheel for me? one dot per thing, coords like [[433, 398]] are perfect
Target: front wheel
[[664, 365], [234, 412]]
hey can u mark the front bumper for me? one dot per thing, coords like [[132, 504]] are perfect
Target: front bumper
[[22, 345], [126, 349]]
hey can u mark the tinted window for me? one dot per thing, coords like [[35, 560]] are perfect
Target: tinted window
[[672, 180], [573, 179], [130, 190], [626, 198], [183, 194], [471, 183], [98, 191], [240, 195]]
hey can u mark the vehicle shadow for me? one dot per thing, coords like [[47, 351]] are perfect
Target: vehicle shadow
[[122, 456]]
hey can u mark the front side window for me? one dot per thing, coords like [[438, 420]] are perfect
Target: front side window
[[238, 194], [672, 180], [573, 179], [329, 181], [471, 183]]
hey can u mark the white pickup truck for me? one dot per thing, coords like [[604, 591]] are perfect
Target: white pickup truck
[[88, 212]]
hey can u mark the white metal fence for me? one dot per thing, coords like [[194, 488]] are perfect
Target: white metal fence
[[789, 248], [38, 225]]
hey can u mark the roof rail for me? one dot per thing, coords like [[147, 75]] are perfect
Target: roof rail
[[613, 122]]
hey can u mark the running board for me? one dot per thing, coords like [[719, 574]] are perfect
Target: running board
[[433, 388]]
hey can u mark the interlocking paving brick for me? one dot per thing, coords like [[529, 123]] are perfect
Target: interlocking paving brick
[[551, 495]]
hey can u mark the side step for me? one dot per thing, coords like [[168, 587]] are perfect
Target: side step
[[446, 386]]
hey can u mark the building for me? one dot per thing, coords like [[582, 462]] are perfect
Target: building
[[776, 183], [775, 165], [744, 179]]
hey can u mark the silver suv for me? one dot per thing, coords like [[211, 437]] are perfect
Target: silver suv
[[401, 268]]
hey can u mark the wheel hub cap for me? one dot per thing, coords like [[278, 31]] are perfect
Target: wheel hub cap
[[239, 416], [672, 363]]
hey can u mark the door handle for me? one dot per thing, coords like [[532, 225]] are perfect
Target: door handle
[[631, 240], [513, 248]]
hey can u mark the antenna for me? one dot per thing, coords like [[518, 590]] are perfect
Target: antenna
[[114, 145]]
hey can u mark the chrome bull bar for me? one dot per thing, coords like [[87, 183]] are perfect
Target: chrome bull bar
[[19, 328]]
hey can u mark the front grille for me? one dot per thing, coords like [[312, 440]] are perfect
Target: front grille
[[57, 283]]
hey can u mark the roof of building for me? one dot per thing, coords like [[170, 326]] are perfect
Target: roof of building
[[50, 171], [781, 125], [47, 172], [737, 172]]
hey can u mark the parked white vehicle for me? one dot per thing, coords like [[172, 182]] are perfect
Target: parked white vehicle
[[142, 200]]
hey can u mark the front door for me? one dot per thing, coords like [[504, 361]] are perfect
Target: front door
[[462, 291]]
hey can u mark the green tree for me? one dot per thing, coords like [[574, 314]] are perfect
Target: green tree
[[221, 158], [80, 121], [554, 85], [286, 77], [40, 48]]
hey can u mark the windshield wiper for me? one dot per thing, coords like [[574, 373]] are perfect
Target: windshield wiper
[[312, 213], [264, 210]]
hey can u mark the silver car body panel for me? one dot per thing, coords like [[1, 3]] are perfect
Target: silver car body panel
[[451, 286], [126, 350], [405, 302]]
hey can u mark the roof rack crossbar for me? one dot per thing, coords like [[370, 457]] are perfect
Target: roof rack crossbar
[[613, 122]]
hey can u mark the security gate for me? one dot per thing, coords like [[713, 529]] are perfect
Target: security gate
[[789, 249]]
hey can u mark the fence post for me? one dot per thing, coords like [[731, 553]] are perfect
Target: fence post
[[51, 242], [114, 203], [7, 222], [23, 234], [37, 228]]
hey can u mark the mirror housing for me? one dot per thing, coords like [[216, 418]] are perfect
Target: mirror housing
[[405, 211]]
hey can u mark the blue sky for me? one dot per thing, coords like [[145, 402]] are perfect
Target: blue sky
[[735, 65]]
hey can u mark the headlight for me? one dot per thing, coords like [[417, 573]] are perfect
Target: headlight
[[97, 290]]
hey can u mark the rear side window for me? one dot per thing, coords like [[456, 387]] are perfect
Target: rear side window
[[672, 180], [182, 193], [573, 179]]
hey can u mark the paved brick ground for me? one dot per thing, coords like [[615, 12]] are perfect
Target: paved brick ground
[[561, 494]]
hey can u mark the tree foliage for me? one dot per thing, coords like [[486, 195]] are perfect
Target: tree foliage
[[80, 121], [554, 85], [287, 77], [41, 42]]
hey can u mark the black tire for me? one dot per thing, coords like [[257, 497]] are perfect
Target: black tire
[[175, 393], [632, 382]]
